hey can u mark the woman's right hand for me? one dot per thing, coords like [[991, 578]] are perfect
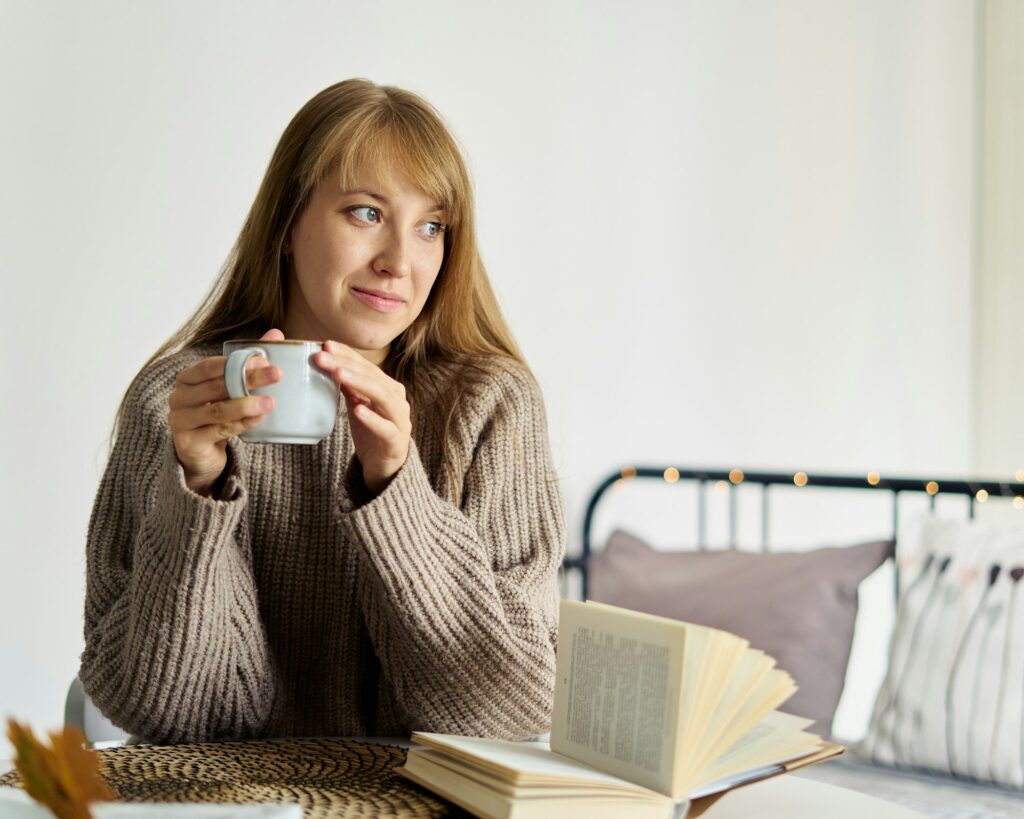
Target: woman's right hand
[[203, 417]]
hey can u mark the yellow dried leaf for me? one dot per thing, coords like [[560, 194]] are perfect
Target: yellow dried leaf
[[65, 776]]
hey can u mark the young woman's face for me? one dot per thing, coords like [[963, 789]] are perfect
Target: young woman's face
[[363, 263]]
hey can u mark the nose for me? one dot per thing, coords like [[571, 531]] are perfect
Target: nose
[[393, 256]]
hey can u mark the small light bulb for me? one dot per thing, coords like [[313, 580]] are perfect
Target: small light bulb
[[932, 488], [1019, 475], [628, 472], [671, 474], [800, 479], [721, 486], [736, 476], [1018, 502], [982, 496], [874, 478]]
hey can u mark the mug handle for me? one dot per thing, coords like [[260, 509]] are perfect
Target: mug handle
[[234, 370]]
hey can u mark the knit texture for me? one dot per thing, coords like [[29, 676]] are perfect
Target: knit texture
[[296, 605]]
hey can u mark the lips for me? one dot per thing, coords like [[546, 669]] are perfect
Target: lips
[[383, 294], [379, 300]]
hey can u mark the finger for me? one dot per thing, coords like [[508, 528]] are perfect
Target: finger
[[382, 392], [330, 364], [355, 363], [353, 399], [349, 360], [343, 355], [259, 373], [204, 370], [211, 368], [219, 413], [214, 433], [359, 366], [272, 335], [375, 422], [339, 349]]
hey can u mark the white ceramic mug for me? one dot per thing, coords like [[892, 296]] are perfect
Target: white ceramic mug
[[306, 399]]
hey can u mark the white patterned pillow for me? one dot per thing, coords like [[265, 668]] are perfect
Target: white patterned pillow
[[953, 697]]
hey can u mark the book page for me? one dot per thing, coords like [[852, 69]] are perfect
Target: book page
[[771, 690], [729, 782], [720, 662], [428, 761], [820, 753], [716, 676], [777, 738], [520, 763], [477, 797], [617, 691], [753, 667], [710, 658]]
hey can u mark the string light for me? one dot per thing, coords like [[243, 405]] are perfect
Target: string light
[[736, 476]]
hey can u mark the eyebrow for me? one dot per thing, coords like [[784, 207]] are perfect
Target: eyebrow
[[381, 198]]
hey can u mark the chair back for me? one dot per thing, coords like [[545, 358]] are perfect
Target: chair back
[[80, 711]]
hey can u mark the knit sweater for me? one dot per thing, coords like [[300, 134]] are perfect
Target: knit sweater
[[294, 604]]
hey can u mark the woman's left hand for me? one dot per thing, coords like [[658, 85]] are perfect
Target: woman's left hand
[[378, 413]]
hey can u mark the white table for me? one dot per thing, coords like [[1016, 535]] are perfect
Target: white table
[[793, 797]]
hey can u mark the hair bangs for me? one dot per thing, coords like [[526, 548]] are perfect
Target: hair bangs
[[385, 145]]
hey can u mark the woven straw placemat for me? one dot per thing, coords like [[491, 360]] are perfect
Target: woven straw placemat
[[329, 778]]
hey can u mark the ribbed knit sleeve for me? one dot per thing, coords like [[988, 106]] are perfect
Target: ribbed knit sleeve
[[461, 603], [174, 648]]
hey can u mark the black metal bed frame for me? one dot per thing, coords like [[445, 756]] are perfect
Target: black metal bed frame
[[977, 491]]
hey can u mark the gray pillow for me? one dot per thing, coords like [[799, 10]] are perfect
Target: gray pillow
[[799, 607]]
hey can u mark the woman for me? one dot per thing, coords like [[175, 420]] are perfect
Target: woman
[[401, 574]]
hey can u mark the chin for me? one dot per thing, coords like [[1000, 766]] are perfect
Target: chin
[[366, 341], [365, 332]]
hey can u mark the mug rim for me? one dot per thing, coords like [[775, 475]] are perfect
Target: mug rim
[[271, 341]]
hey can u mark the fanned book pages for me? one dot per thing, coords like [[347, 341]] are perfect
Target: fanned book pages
[[652, 718]]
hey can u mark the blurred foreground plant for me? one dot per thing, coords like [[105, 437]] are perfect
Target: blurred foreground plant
[[65, 776]]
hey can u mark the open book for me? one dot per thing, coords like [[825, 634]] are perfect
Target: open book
[[652, 717]]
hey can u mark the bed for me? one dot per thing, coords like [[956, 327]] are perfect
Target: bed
[[743, 550]]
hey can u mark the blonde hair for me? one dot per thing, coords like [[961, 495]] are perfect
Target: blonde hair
[[347, 128]]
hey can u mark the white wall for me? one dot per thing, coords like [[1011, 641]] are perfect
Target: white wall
[[724, 232], [999, 393]]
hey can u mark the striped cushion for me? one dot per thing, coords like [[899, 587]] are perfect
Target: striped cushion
[[953, 697]]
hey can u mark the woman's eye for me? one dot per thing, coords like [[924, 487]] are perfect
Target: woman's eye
[[365, 213], [433, 229]]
